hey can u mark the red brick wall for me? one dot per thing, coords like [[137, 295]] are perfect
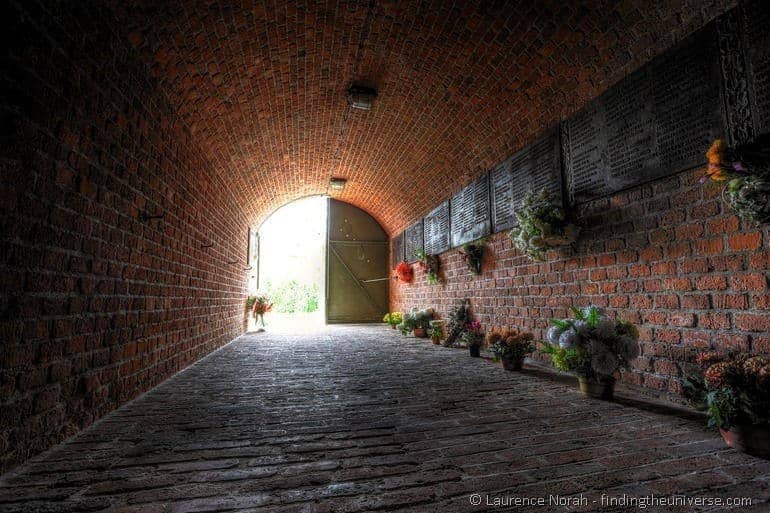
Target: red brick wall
[[669, 256], [98, 306]]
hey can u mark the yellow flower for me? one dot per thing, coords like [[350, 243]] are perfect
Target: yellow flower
[[715, 154]]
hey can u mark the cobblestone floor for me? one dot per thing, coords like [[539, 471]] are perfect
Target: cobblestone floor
[[360, 419]]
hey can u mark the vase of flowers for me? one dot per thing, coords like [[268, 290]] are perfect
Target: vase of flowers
[[404, 272], [543, 225], [418, 321], [262, 305], [429, 264], [473, 254], [510, 347], [745, 173], [393, 318], [735, 391], [594, 347], [436, 331], [472, 338]]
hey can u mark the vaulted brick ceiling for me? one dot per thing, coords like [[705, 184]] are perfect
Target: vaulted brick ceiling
[[462, 84]]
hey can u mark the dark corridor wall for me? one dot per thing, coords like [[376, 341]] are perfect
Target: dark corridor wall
[[98, 305]]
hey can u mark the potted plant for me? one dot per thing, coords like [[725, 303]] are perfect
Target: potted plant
[[745, 171], [436, 331], [472, 338], [404, 272], [510, 347], [735, 391], [594, 347], [473, 254], [422, 320], [543, 225], [407, 324], [262, 305], [429, 264], [393, 318]]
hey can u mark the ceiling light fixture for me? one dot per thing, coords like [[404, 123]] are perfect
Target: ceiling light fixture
[[337, 184], [361, 96]]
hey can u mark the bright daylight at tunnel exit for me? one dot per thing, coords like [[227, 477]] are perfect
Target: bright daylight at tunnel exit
[[385, 255]]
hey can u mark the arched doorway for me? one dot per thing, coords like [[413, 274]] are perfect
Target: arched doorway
[[321, 261]]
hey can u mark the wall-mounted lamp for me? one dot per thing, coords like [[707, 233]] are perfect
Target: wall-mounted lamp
[[361, 96], [337, 184]]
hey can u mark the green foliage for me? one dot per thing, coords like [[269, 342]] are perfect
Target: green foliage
[[436, 331], [570, 359], [250, 302], [294, 297]]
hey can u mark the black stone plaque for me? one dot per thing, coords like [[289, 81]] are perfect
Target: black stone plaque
[[536, 167], [469, 212], [413, 241], [657, 121], [436, 230], [756, 15], [396, 250]]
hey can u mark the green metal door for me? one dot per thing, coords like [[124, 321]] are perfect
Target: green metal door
[[356, 266]]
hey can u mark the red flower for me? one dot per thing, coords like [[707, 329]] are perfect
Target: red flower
[[404, 272], [720, 374]]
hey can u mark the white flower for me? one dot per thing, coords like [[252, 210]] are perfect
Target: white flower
[[568, 339], [553, 334], [604, 362], [582, 328]]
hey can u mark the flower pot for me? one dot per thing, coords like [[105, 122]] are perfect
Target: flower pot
[[436, 341], [420, 332], [475, 351], [597, 388], [393, 326], [511, 364], [752, 439]]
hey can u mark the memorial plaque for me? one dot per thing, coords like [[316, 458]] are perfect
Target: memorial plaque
[[396, 250], [413, 241], [536, 167], [469, 212], [756, 15], [436, 230], [501, 189], [735, 78], [656, 122]]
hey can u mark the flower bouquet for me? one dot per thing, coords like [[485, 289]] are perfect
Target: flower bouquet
[[542, 226], [510, 347], [262, 305], [735, 391], [417, 321], [430, 264], [472, 337], [745, 171], [393, 318], [473, 254], [404, 272], [594, 347]]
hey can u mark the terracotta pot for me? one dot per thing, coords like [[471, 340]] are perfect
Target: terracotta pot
[[512, 364], [421, 332], [475, 351], [598, 389], [393, 326], [752, 439], [436, 341]]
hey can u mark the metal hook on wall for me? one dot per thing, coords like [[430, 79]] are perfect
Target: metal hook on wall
[[144, 216]]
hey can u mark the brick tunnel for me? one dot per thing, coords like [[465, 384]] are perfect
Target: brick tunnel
[[143, 143]]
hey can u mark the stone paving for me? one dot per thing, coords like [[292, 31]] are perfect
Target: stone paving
[[357, 419]]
